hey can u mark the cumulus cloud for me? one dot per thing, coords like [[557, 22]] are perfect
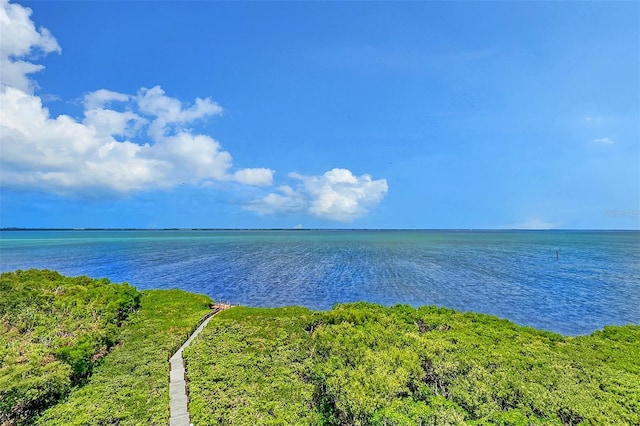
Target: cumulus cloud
[[20, 39], [336, 195], [169, 111], [124, 143], [154, 102]]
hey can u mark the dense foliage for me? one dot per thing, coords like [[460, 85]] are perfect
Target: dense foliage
[[247, 368], [53, 331], [363, 364], [131, 385], [96, 353]]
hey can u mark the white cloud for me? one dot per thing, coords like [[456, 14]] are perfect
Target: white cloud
[[107, 122], [67, 156], [21, 39], [604, 141], [338, 176], [169, 111], [100, 98], [256, 177], [63, 155], [336, 195], [134, 142], [286, 201], [339, 195], [154, 102], [532, 224], [193, 157]]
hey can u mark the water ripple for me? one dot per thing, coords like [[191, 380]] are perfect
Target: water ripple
[[593, 280]]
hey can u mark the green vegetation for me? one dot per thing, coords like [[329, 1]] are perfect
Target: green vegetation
[[363, 364], [78, 351], [98, 350], [53, 331], [247, 368], [131, 386]]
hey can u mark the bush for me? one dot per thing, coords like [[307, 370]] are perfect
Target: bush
[[131, 386], [363, 364], [54, 330]]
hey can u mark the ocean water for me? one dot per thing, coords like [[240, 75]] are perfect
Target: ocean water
[[570, 282]]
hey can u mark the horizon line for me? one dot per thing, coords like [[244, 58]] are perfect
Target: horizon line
[[17, 228]]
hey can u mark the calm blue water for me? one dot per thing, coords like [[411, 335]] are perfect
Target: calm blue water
[[511, 274]]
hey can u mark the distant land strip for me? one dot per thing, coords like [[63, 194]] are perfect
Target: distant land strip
[[13, 228]]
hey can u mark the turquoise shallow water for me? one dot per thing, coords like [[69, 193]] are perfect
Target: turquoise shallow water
[[594, 280]]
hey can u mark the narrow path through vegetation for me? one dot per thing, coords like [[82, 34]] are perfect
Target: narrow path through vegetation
[[178, 398]]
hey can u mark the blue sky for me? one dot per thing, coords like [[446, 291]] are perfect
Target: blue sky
[[320, 114]]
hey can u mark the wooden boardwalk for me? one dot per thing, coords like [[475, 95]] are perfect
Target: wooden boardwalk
[[178, 399]]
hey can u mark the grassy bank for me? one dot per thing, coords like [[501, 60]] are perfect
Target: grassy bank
[[363, 364]]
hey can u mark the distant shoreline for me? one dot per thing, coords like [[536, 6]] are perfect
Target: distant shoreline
[[324, 229]]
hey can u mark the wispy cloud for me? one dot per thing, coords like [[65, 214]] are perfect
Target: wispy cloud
[[604, 141], [533, 224]]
